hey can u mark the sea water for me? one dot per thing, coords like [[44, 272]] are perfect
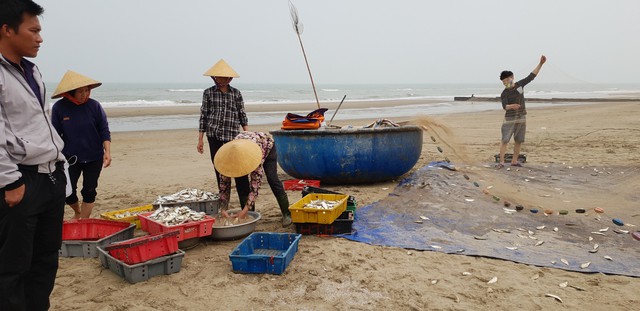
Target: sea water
[[439, 96]]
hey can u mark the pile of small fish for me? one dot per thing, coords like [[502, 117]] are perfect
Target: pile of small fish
[[172, 216], [321, 204], [186, 196], [127, 214]]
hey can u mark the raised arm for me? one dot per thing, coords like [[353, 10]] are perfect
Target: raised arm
[[533, 73], [543, 59]]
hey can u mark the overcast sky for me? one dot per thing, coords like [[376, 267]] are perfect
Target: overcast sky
[[363, 41]]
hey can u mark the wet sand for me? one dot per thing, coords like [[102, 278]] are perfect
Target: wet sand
[[335, 274], [195, 109]]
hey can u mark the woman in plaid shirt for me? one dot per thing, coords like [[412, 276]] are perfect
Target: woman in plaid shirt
[[222, 116]]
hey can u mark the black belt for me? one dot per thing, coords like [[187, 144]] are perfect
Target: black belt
[[34, 168]]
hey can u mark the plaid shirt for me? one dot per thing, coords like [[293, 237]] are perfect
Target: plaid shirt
[[222, 114]]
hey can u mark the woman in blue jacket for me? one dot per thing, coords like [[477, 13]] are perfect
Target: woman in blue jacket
[[82, 124]]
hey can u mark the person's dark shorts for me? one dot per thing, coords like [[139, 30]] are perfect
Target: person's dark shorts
[[514, 128], [90, 172]]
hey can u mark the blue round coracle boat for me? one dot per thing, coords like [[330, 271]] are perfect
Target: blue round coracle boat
[[349, 156]]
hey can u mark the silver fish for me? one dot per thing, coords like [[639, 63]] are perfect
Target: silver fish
[[171, 216], [126, 214], [502, 230], [556, 297], [186, 196], [321, 204]]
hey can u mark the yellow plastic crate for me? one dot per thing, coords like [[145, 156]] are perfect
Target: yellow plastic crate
[[131, 219], [299, 214]]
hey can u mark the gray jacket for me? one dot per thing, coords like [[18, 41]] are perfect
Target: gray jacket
[[26, 134]]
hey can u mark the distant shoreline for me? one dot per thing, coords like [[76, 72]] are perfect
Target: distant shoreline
[[181, 110], [176, 118]]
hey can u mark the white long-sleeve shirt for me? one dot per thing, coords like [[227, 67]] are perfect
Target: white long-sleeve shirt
[[26, 134]]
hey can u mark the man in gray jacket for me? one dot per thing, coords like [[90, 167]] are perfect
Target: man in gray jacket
[[32, 179]]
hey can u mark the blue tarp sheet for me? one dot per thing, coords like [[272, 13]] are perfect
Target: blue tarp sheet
[[482, 228]]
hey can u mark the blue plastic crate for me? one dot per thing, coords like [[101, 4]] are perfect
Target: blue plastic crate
[[265, 252]]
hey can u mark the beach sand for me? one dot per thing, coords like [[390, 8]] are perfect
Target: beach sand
[[195, 109], [336, 274]]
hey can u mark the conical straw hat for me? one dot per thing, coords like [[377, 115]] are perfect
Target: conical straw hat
[[73, 80], [238, 158], [221, 69]]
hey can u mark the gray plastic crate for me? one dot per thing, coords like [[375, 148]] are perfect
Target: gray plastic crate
[[210, 207], [87, 249], [142, 271]]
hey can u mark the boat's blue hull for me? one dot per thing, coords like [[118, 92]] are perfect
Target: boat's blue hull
[[349, 156]]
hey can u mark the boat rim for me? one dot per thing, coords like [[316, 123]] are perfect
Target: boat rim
[[404, 128]]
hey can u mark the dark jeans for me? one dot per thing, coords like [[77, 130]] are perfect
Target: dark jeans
[[270, 167], [30, 236], [242, 183], [90, 173]]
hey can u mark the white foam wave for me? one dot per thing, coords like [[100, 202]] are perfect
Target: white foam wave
[[330, 90]]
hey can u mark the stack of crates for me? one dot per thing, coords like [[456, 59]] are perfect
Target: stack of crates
[[82, 237], [141, 258], [342, 224]]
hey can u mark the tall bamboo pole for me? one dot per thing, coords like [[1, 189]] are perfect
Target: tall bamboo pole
[[297, 27]]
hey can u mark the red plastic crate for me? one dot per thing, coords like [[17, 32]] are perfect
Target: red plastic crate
[[144, 248], [297, 184], [90, 229], [189, 230]]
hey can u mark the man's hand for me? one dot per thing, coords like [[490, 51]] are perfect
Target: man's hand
[[106, 160], [14, 197], [543, 59], [513, 107], [200, 146]]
